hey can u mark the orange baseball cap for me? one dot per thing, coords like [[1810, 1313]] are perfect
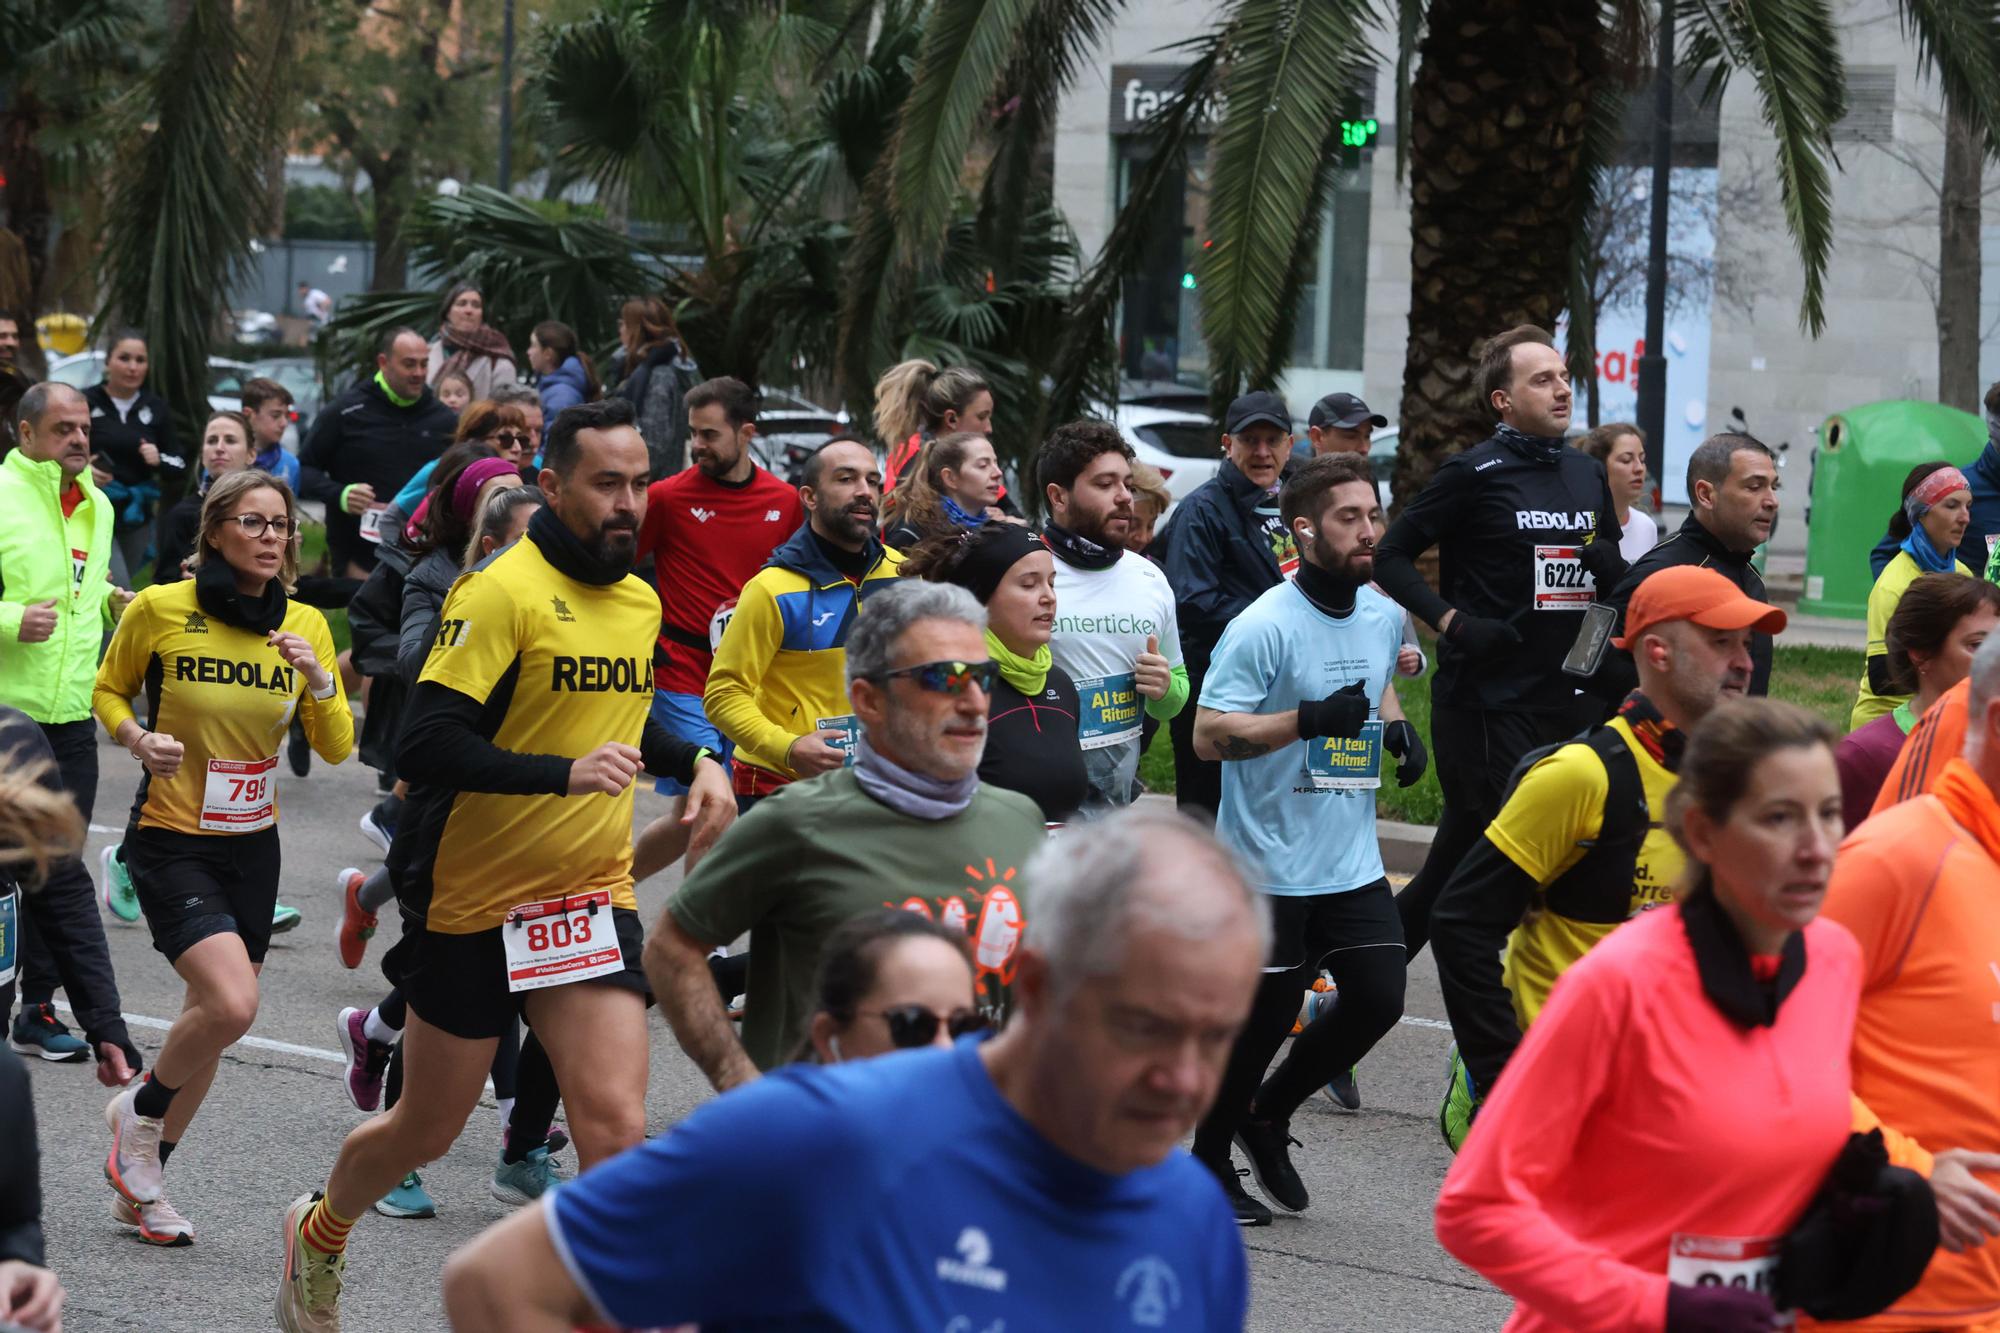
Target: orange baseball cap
[[1691, 592]]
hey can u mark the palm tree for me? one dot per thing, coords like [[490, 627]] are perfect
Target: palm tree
[[1504, 123], [59, 61]]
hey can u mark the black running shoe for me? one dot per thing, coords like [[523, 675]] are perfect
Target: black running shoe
[[1250, 1211], [1265, 1143], [298, 751]]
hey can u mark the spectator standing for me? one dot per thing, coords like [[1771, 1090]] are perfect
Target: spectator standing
[[1621, 447], [15, 374], [368, 442], [467, 344], [564, 375], [658, 373], [134, 455], [55, 543], [225, 448], [315, 305], [908, 824], [1226, 545], [268, 406], [1341, 423], [1150, 501], [454, 390]]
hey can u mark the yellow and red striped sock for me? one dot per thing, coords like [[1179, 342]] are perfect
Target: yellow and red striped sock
[[324, 1229]]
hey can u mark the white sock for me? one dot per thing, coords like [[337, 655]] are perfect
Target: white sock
[[506, 1112], [377, 1030]]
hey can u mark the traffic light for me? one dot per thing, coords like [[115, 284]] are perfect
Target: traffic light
[[1356, 135]]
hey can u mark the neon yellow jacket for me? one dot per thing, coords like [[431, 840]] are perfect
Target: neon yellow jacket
[[782, 663], [45, 557]]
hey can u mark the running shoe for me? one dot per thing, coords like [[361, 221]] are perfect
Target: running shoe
[[558, 1138], [1456, 1112], [298, 750], [133, 1165], [1343, 1090], [367, 1059], [407, 1200], [1250, 1211], [159, 1222], [38, 1032], [357, 923], [117, 894], [283, 918], [309, 1290], [524, 1181], [1267, 1143], [376, 828]]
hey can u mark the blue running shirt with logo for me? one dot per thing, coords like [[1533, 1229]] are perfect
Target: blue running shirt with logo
[[813, 1199]]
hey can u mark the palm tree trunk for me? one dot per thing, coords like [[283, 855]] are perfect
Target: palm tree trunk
[[1498, 114], [1958, 258], [29, 211]]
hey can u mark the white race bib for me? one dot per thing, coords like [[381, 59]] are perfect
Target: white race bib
[[1747, 1263], [1561, 581], [371, 525], [560, 941], [77, 562], [718, 623], [239, 796]]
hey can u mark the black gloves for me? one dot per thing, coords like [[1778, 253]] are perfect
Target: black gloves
[[1399, 738], [1719, 1310], [1341, 713], [1477, 636], [1599, 558]]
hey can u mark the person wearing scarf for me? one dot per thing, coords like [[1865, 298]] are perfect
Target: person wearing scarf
[[224, 660], [1681, 1100], [908, 824], [1937, 507], [467, 345], [1031, 737]]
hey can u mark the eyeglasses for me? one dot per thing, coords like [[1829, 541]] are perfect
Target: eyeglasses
[[253, 525], [519, 437], [948, 677], [912, 1025]]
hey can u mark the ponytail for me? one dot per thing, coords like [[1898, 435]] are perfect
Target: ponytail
[[899, 398]]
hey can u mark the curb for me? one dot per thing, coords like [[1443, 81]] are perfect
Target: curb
[[1404, 846]]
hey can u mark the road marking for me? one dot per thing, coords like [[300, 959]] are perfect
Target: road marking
[[1437, 1023], [255, 1043]]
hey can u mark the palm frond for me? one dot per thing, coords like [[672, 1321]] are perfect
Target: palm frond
[[966, 46], [1410, 16], [1290, 76], [178, 229], [1960, 41], [1791, 49], [1085, 370]]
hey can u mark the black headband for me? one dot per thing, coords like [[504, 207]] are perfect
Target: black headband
[[992, 549]]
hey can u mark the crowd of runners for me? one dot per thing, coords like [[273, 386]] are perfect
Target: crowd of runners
[[1715, 1068]]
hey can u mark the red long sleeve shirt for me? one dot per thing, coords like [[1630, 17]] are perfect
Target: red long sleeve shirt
[[1637, 1123]]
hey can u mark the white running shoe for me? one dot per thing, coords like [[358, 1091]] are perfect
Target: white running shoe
[[159, 1222], [133, 1166]]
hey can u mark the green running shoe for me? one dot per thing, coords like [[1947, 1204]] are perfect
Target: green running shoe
[[116, 891], [407, 1200], [283, 918], [1456, 1112]]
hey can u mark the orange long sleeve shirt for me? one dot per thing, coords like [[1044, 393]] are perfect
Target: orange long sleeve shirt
[[1918, 885]]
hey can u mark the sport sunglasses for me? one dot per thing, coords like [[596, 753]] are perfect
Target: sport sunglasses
[[948, 677]]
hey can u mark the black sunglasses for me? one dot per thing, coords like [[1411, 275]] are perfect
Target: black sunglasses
[[948, 677], [912, 1025], [511, 436]]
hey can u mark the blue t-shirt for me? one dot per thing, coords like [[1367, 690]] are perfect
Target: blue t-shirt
[[899, 1193], [414, 489], [1299, 836]]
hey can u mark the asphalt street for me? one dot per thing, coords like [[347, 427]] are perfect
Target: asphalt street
[[1362, 1258]]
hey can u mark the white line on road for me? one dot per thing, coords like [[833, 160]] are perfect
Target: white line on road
[[255, 1043]]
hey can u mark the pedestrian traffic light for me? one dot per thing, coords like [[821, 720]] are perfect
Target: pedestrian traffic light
[[1359, 133], [1188, 283]]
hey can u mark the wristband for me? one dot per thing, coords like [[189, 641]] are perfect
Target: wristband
[[344, 490], [331, 686]]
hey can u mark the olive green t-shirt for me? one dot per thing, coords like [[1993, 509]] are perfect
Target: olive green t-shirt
[[819, 852]]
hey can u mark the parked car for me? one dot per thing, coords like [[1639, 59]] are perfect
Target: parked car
[[1185, 447], [225, 377], [790, 429]]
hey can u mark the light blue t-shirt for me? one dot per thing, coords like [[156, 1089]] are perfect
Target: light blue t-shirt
[[899, 1193], [1298, 835], [415, 488]]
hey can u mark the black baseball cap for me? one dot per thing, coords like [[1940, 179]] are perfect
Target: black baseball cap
[[1345, 411], [1252, 408]]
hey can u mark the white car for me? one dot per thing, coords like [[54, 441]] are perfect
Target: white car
[[1186, 447]]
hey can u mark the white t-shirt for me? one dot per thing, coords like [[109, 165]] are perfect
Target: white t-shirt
[[1103, 619], [1641, 535]]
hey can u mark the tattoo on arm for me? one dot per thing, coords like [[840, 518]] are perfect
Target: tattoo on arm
[[1238, 747]]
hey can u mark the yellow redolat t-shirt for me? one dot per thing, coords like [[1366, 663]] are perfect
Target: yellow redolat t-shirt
[[1544, 828], [227, 696], [562, 667]]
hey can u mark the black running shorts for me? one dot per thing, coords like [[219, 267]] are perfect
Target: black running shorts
[[458, 983], [194, 885]]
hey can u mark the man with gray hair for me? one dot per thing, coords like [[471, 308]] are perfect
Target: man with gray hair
[[1031, 1180], [907, 825], [1732, 484]]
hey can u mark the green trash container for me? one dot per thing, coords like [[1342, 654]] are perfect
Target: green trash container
[[1864, 453]]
